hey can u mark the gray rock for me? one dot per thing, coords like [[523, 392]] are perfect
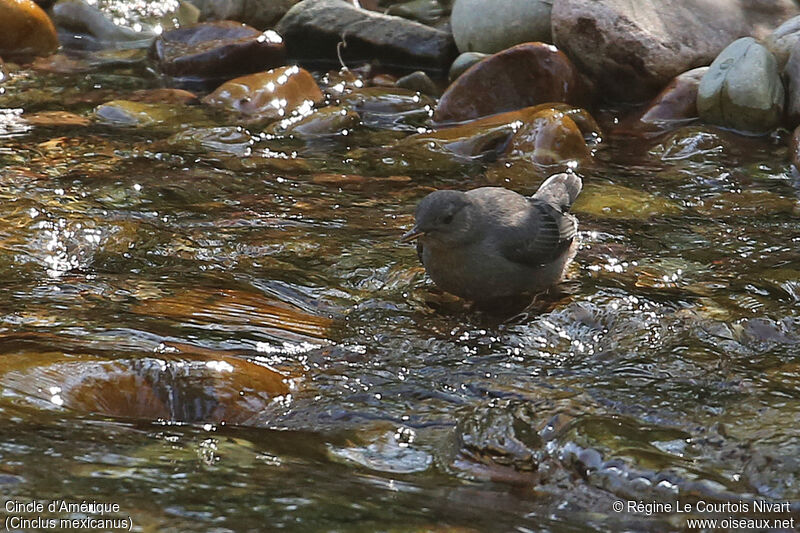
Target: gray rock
[[418, 81], [781, 41], [260, 14], [632, 49], [742, 89], [488, 27], [791, 73], [463, 62], [313, 28]]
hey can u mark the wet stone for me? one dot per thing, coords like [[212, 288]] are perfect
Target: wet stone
[[794, 148], [742, 89], [418, 81], [141, 114], [394, 108], [673, 107], [425, 11], [330, 120], [212, 52], [489, 27], [618, 202], [76, 16], [274, 94], [525, 75], [313, 30], [25, 30], [550, 137]]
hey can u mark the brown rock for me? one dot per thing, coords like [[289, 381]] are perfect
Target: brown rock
[[259, 14], [273, 94], [164, 96], [673, 107], [632, 49], [524, 75], [25, 30], [216, 51], [794, 148], [550, 137], [544, 134]]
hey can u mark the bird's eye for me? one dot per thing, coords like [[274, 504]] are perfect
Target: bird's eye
[[448, 219]]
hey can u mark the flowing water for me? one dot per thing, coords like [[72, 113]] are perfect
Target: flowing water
[[224, 334]]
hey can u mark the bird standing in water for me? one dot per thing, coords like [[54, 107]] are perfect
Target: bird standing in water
[[491, 244]]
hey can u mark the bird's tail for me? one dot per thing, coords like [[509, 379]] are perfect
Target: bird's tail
[[560, 190]]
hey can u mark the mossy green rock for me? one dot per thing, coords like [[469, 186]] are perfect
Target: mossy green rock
[[617, 202], [742, 89]]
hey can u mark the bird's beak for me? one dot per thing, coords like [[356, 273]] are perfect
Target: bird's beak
[[412, 234]]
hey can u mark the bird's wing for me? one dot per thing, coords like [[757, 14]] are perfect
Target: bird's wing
[[540, 237], [419, 251]]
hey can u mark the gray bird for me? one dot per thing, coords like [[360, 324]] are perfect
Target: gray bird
[[490, 244]]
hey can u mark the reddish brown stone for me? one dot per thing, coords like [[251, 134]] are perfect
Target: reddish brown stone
[[524, 75], [25, 30], [673, 107], [164, 96], [794, 148], [273, 94], [217, 51], [550, 137]]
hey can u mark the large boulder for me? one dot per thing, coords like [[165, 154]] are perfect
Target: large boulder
[[313, 30], [524, 75], [742, 89], [781, 41], [632, 49], [25, 30], [488, 27]]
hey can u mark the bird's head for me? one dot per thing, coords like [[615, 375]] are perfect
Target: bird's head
[[444, 217]]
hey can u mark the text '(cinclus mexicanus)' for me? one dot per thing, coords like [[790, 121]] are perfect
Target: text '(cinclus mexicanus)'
[[491, 243]]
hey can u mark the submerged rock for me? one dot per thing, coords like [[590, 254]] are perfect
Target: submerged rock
[[330, 120], [632, 49], [260, 15], [617, 202], [216, 51], [742, 89], [140, 114], [171, 386], [544, 135], [390, 107], [274, 94], [25, 30], [314, 28], [488, 27], [525, 75], [673, 107], [794, 148]]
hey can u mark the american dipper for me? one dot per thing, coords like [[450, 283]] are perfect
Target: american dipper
[[489, 244]]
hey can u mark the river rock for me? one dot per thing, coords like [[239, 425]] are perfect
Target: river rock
[[524, 75], [314, 28], [105, 24], [216, 51], [330, 120], [781, 41], [794, 148], [488, 27], [674, 106], [742, 89], [141, 114], [632, 49], [425, 11], [25, 30], [463, 62], [791, 74], [262, 15], [545, 134], [418, 81], [273, 94]]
